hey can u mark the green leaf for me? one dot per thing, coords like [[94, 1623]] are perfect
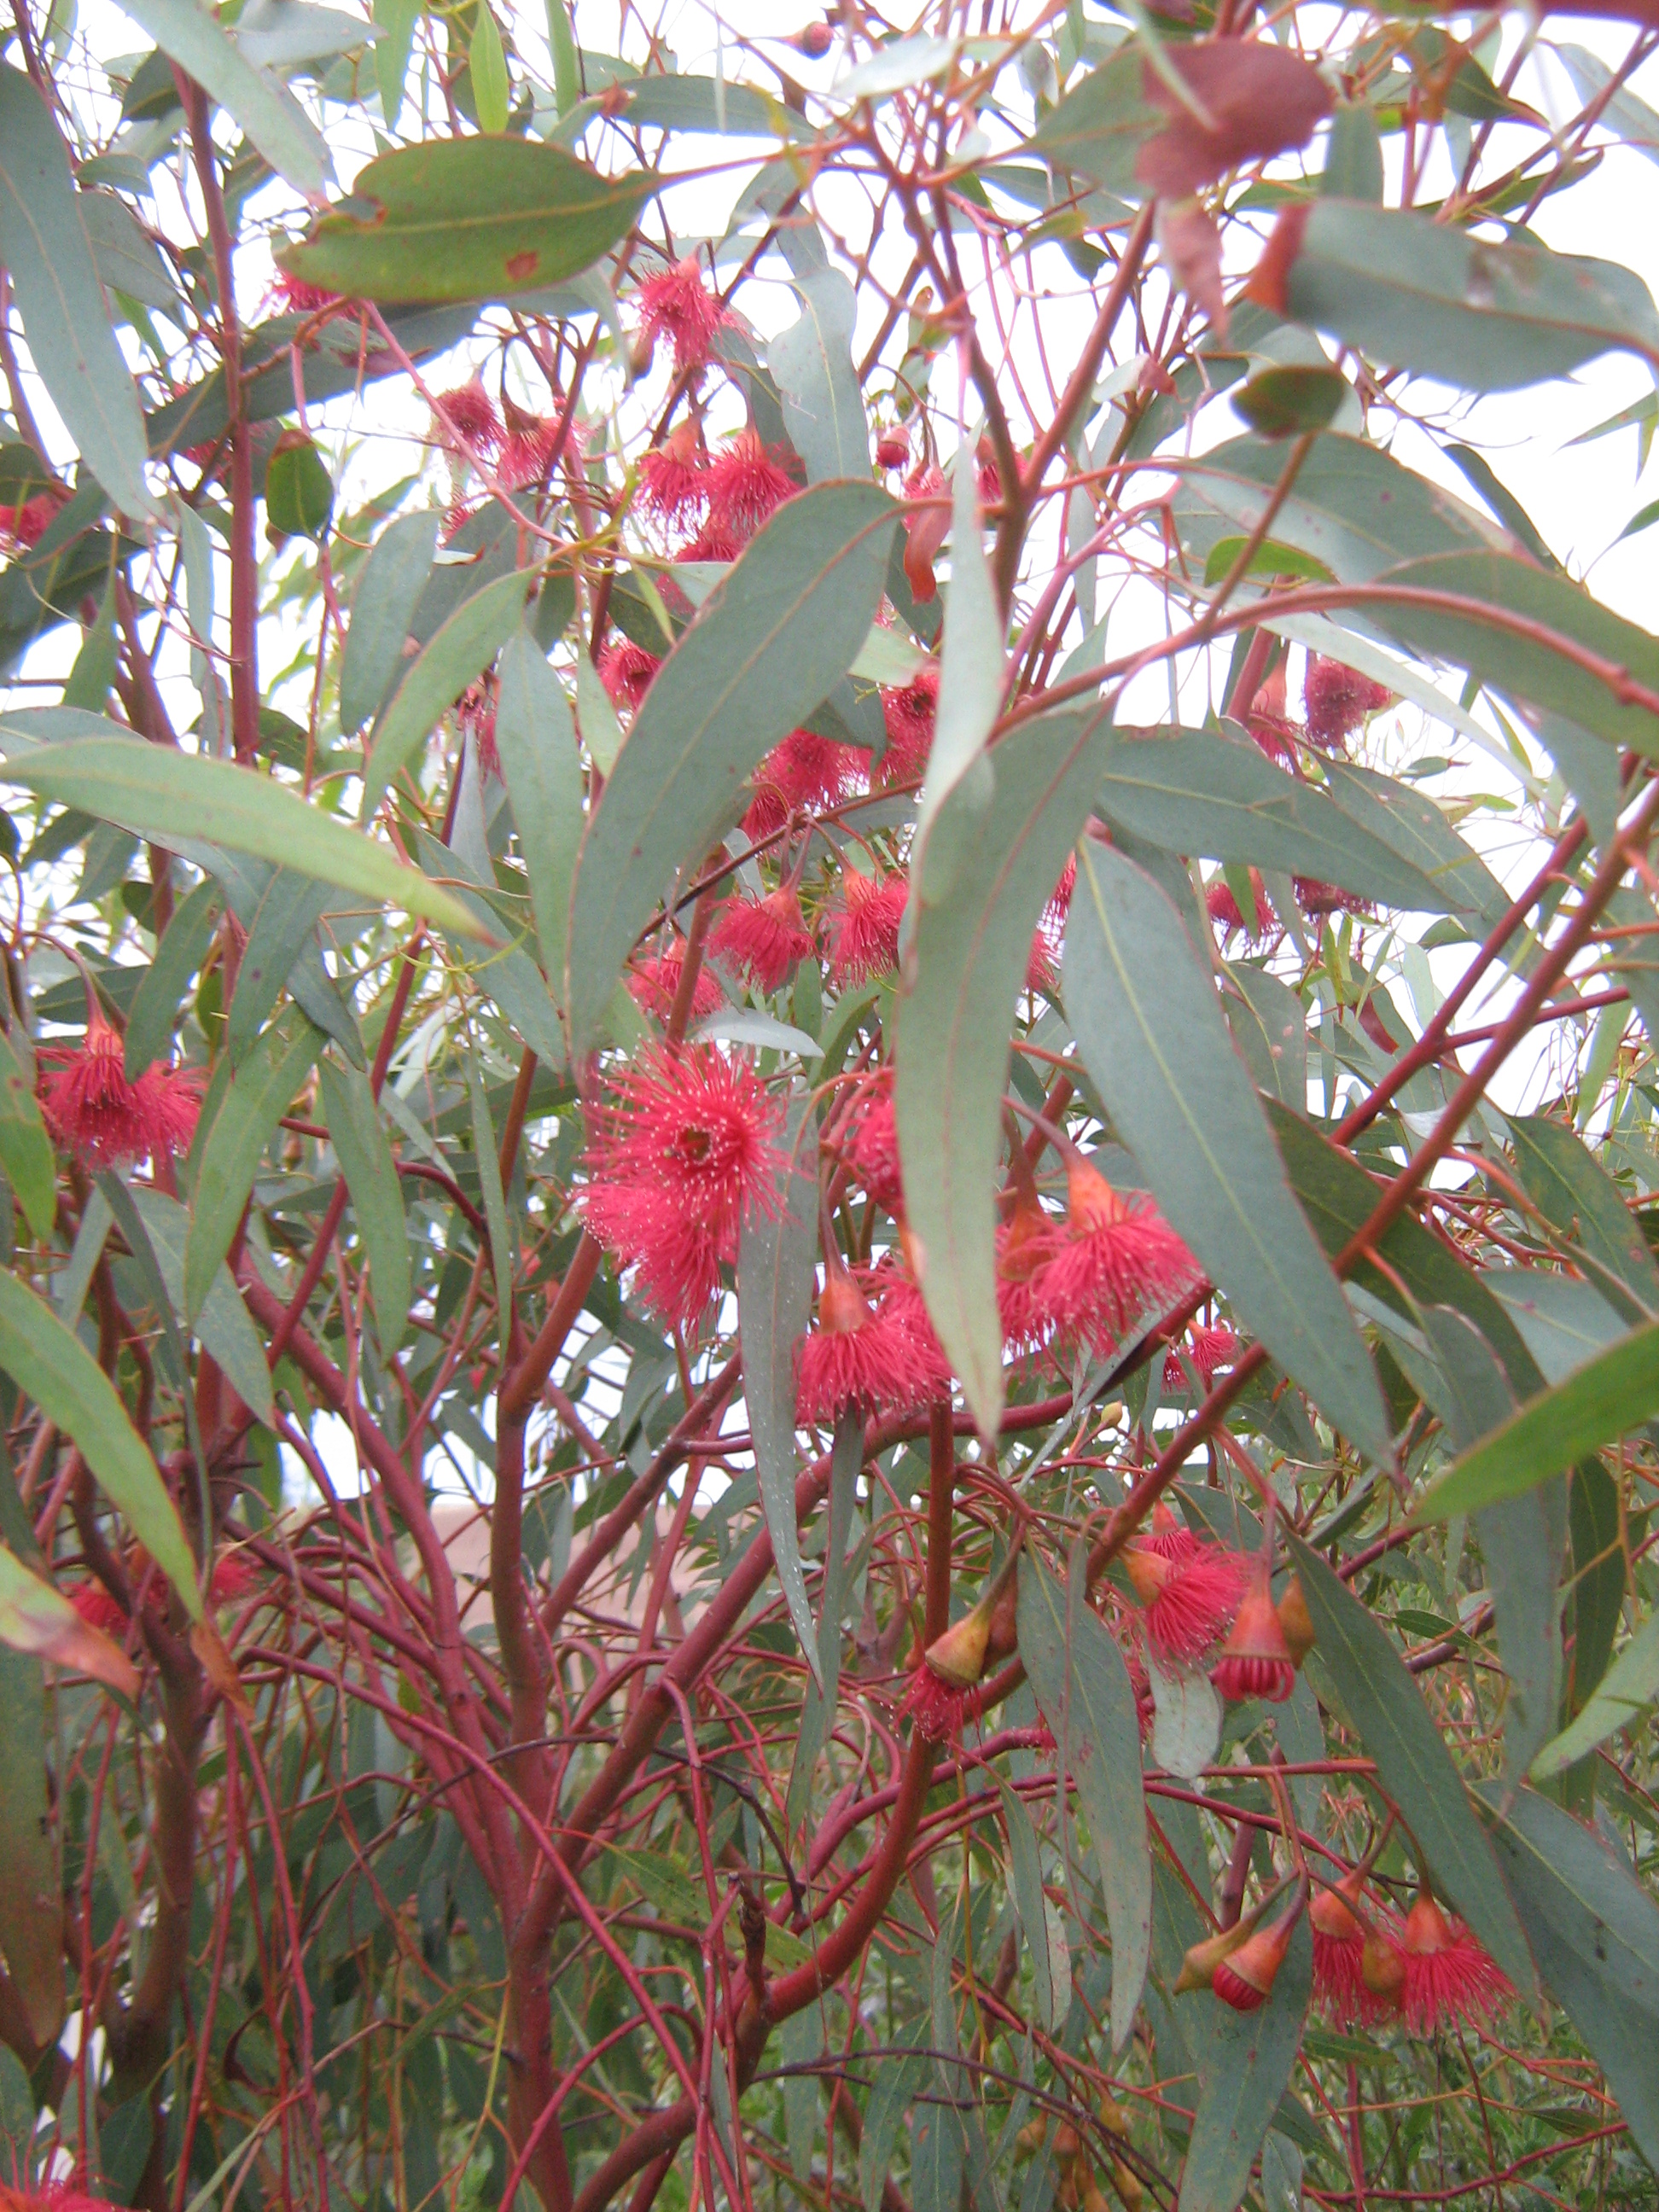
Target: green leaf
[[1501, 501], [266, 110], [1153, 1037], [771, 640], [992, 863], [1077, 1674], [32, 1894], [1633, 119], [222, 1325], [382, 609], [168, 796], [537, 742], [1269, 1027], [1596, 1606], [1050, 1970], [1282, 403], [1412, 1762], [487, 60], [53, 1367], [395, 20], [487, 1159], [1411, 824], [465, 644], [1601, 1401], [299, 490], [698, 103], [1421, 295], [1579, 1198], [1197, 793], [567, 67], [1624, 1693], [1244, 2070], [818, 1711], [896, 2084], [229, 1150], [812, 362], [126, 261], [26, 1153], [467, 219], [177, 956], [971, 676], [359, 1138], [46, 246], [510, 977], [777, 1264], [290, 909], [38, 1622], [1595, 1931], [1099, 127], [1354, 157]]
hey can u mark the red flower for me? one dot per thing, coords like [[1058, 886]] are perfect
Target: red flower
[[1338, 1955], [234, 1577], [1447, 1976], [626, 670], [924, 528], [677, 304], [467, 417], [1276, 738], [900, 1302], [1225, 912], [1186, 1603], [804, 771], [92, 1109], [763, 938], [1255, 1660], [527, 455], [1315, 898], [53, 2197], [870, 1147], [23, 526], [1025, 1242], [910, 710], [654, 979], [1336, 701], [1210, 1350], [99, 1610], [672, 475], [938, 1708], [1117, 1260], [864, 932], [858, 1355], [1170, 1538], [684, 1148], [1245, 1980], [714, 542], [294, 296], [893, 451], [745, 484]]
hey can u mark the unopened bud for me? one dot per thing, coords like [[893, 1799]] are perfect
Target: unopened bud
[[1245, 1980], [815, 41], [1381, 1969], [1296, 1621]]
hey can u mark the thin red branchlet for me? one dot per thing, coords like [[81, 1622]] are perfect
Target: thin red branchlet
[[893, 451], [468, 416], [763, 938], [677, 304], [864, 930], [1245, 1979], [673, 475], [1187, 1605], [1255, 1660], [653, 982], [626, 671], [1118, 1260], [1210, 1350], [910, 711], [1315, 898], [684, 1146], [869, 1144], [1448, 1977], [1228, 916], [93, 1110], [1338, 1951], [746, 483], [23, 526], [858, 1355], [1337, 700], [805, 771]]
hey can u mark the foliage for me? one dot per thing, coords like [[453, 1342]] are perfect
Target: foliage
[[829, 1361]]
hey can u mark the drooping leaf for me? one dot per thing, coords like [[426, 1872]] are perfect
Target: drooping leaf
[[777, 1260], [1618, 1699], [537, 742], [1244, 2070], [1269, 1027], [382, 608], [1412, 1761], [813, 362], [177, 956], [1154, 1039], [32, 1894], [26, 1153], [299, 490], [359, 1138], [1595, 1931], [229, 1147], [222, 1325], [46, 250], [170, 796], [487, 63], [894, 2093], [1197, 793], [1050, 1972], [1601, 1401], [702, 103], [819, 1710], [970, 693], [1282, 402], [53, 1367], [1580, 1199], [514, 982], [266, 110], [38, 1620], [992, 863], [475, 218], [290, 909], [1411, 824], [1083, 1687], [467, 643], [125, 259], [768, 644], [1423, 295]]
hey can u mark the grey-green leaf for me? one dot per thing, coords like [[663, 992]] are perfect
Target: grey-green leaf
[[290, 909], [1577, 1197], [537, 742], [1412, 1762], [46, 246], [266, 110], [229, 1151], [812, 363], [772, 639], [361, 1145], [999, 859], [26, 1153], [1077, 1674], [1623, 1694], [180, 953], [1411, 824], [223, 1324], [1153, 1037], [53, 1367], [382, 607], [464, 646], [1244, 2070]]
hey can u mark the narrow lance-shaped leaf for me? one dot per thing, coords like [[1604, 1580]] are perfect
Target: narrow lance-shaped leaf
[[177, 956], [266, 110], [382, 608], [536, 743], [54, 1368], [32, 1894], [770, 641], [465, 644], [1624, 1693], [229, 1150], [1153, 1037], [26, 1153], [813, 362], [1244, 2071], [38, 1620], [1579, 1198], [970, 693], [999, 857], [223, 1324]]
